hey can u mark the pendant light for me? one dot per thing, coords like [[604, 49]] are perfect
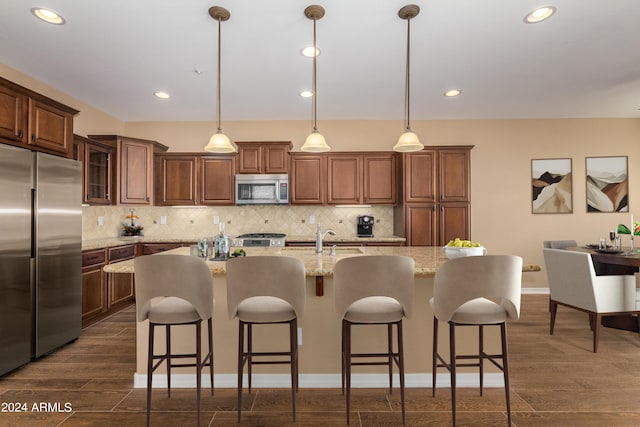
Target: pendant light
[[408, 141], [315, 142], [219, 142]]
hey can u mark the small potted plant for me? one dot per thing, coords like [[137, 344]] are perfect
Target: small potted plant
[[131, 228]]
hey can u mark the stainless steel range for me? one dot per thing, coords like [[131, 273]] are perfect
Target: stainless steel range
[[259, 239]]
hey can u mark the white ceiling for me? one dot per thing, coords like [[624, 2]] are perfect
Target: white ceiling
[[583, 62]]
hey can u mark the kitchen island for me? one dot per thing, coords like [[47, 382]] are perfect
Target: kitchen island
[[320, 328]]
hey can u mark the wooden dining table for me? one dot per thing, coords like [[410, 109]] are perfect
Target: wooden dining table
[[607, 263]]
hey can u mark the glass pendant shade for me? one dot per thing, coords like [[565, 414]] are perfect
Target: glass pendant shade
[[408, 142], [219, 143], [315, 143]]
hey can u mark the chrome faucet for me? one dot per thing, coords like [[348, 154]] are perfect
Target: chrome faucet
[[320, 236]]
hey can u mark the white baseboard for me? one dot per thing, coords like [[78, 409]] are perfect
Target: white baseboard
[[535, 291], [320, 380]]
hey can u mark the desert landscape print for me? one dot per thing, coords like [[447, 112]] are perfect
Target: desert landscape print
[[607, 185], [551, 186]]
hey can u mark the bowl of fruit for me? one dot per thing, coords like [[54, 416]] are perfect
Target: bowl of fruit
[[457, 248]]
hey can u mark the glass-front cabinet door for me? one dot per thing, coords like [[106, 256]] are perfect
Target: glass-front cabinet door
[[96, 160]]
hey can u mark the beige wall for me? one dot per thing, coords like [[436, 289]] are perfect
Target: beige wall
[[501, 215], [89, 120]]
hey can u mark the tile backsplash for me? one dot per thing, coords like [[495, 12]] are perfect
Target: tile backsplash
[[196, 222]]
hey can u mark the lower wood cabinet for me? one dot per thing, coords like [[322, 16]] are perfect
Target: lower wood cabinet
[[102, 293], [94, 295], [154, 248], [121, 286]]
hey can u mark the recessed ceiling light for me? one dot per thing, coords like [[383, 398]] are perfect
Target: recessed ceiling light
[[162, 95], [309, 52], [47, 15], [540, 14], [453, 92], [306, 94]]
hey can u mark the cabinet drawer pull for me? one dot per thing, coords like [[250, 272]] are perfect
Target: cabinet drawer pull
[[20, 134], [93, 257], [33, 137]]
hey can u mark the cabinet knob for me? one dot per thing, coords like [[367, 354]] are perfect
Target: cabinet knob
[[20, 134], [33, 137]]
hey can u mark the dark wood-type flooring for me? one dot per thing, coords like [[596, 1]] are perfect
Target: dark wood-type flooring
[[556, 381]]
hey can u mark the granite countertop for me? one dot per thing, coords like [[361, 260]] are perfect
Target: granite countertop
[[427, 259]]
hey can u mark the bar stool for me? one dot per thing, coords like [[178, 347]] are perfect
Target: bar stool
[[175, 290], [373, 290], [464, 293], [266, 290]]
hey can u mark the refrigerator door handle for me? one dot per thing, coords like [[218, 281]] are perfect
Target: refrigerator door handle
[[34, 225]]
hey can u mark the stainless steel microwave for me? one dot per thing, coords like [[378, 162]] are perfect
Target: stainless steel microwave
[[262, 189]]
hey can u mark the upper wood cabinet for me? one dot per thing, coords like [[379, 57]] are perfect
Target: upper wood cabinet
[[344, 179], [263, 157], [437, 175], [189, 179], [347, 178], [134, 168], [454, 180], [96, 161], [308, 179], [217, 182], [176, 179], [34, 121], [420, 176], [380, 178]]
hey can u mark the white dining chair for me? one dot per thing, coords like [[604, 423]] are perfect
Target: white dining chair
[[559, 244], [573, 283]]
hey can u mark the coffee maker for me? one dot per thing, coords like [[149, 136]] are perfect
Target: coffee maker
[[365, 226]]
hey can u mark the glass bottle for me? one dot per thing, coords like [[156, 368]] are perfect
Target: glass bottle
[[221, 244]]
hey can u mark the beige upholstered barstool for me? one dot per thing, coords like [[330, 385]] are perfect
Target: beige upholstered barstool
[[266, 290], [175, 290], [373, 290], [476, 291]]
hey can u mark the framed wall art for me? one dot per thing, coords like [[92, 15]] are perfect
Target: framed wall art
[[551, 186], [607, 184]]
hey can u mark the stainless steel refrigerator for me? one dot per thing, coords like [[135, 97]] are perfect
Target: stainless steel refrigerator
[[40, 254]]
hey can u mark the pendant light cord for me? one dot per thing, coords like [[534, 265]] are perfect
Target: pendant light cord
[[218, 88], [315, 92], [407, 84]]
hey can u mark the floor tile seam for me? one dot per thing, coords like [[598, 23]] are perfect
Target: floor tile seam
[[514, 393], [122, 400], [65, 419]]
